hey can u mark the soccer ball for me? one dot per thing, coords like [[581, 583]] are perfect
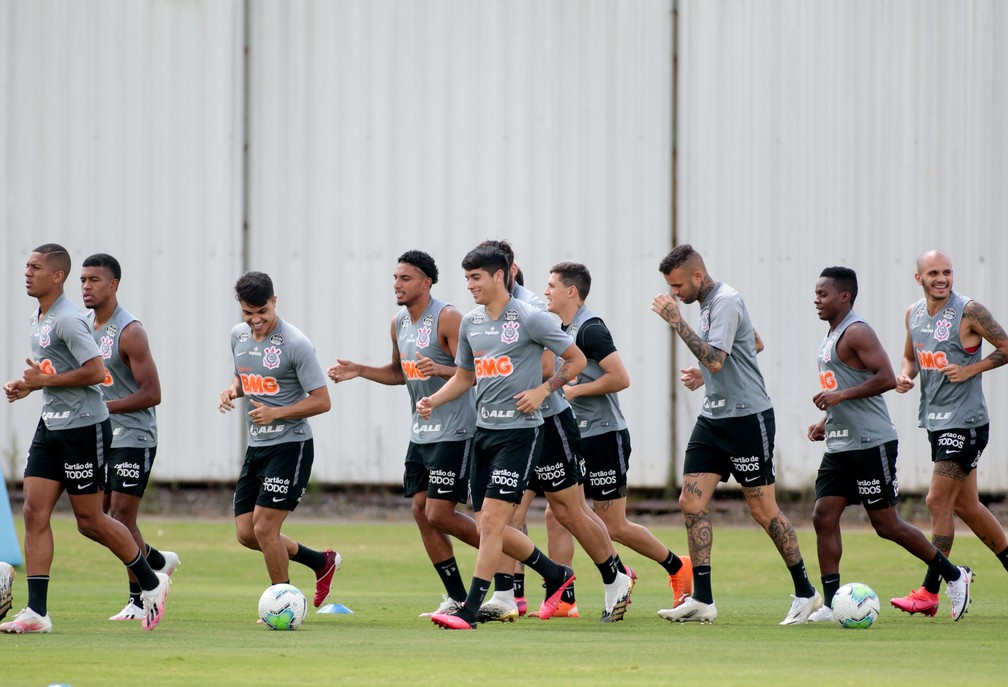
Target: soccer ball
[[855, 605], [282, 607]]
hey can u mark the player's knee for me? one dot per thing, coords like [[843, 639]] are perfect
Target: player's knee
[[688, 502], [90, 525], [439, 517], [938, 505]]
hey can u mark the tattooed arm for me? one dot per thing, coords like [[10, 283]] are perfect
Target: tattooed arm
[[708, 356], [978, 324]]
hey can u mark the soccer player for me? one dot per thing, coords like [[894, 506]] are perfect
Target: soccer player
[[131, 389], [558, 469], [500, 349], [945, 332], [859, 465], [734, 434], [70, 444], [277, 371], [436, 478], [605, 439]]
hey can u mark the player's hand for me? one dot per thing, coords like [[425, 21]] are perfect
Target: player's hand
[[571, 391], [16, 390], [424, 407], [343, 370], [426, 366], [666, 307], [827, 399], [528, 401], [33, 375], [691, 378], [903, 384], [956, 373], [262, 414], [817, 432], [226, 397]]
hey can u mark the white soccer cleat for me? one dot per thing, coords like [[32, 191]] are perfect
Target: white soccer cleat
[[447, 607], [958, 592], [690, 611], [130, 612], [27, 621], [171, 562], [498, 609], [6, 588], [822, 615], [801, 608], [154, 602], [617, 596]]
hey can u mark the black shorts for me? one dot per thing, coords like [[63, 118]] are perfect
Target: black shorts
[[274, 476], [73, 457], [560, 464], [127, 470], [440, 468], [502, 463], [739, 446], [867, 476], [607, 459], [961, 446]]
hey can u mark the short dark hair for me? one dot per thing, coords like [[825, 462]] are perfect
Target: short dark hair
[[678, 257], [519, 277], [422, 261], [254, 288], [502, 246], [574, 274], [56, 255], [489, 258], [844, 278], [104, 260]]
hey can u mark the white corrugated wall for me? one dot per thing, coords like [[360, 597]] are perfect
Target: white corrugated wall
[[851, 132], [121, 133]]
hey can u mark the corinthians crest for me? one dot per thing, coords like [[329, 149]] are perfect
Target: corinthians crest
[[271, 358], [942, 330], [510, 333]]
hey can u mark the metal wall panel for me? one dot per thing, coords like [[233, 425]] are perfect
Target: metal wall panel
[[121, 130], [847, 132], [380, 126]]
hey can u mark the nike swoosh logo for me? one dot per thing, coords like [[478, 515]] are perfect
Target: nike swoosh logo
[[751, 479], [949, 453], [278, 499], [509, 491], [557, 484], [701, 574], [444, 491], [873, 501], [609, 491], [127, 486], [84, 486]]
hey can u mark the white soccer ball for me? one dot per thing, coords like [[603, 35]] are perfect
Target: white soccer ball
[[282, 607], [855, 606]]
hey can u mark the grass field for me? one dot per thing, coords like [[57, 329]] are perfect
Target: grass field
[[209, 635]]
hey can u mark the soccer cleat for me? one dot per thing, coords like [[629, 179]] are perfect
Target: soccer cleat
[[448, 605], [522, 605], [171, 561], [449, 621], [552, 602], [323, 577], [958, 592], [154, 602], [27, 621], [564, 610], [617, 597], [6, 588], [497, 609], [918, 601], [690, 611], [682, 582], [131, 612], [801, 608], [822, 615]]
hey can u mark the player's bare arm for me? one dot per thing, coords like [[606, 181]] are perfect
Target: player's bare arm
[[460, 383], [315, 403], [979, 324], [758, 341], [390, 374], [614, 378], [908, 365], [710, 357], [573, 362], [691, 378], [134, 349], [36, 376], [15, 390], [229, 394], [860, 348]]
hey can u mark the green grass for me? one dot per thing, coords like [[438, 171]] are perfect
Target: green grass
[[209, 635]]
